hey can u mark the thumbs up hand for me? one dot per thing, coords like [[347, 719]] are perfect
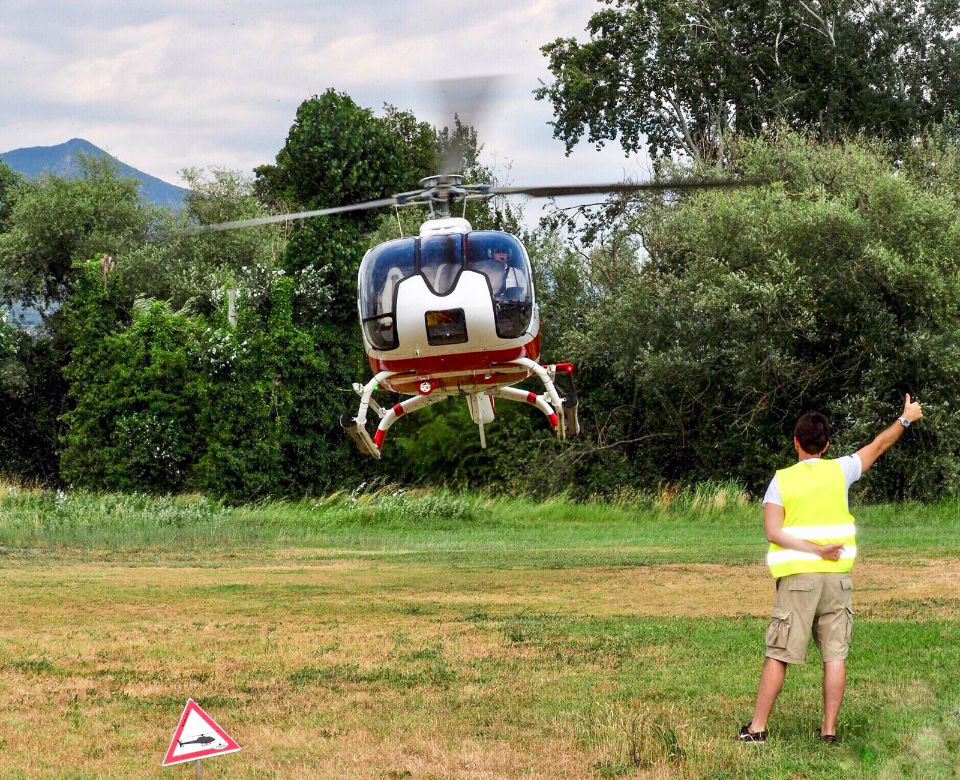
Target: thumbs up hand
[[911, 409]]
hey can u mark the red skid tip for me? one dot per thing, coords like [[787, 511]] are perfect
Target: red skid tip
[[553, 419], [564, 368], [379, 436]]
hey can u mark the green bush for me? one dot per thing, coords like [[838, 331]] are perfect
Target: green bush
[[133, 425], [836, 287]]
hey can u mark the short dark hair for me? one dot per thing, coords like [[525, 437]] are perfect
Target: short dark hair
[[813, 432]]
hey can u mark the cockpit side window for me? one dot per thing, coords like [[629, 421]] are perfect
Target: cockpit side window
[[382, 269], [502, 259]]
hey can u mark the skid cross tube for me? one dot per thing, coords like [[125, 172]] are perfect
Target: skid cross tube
[[526, 397], [544, 375], [367, 393], [552, 401], [399, 410]]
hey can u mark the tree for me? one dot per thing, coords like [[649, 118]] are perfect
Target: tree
[[57, 224], [686, 75], [135, 390], [835, 289], [192, 270], [10, 181], [336, 153], [258, 400], [48, 229]]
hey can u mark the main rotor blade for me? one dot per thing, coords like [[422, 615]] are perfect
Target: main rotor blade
[[466, 99], [244, 223], [668, 185]]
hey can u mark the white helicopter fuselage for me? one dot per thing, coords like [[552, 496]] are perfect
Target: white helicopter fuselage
[[479, 361], [452, 312]]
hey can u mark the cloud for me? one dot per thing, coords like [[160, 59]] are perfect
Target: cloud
[[196, 83]]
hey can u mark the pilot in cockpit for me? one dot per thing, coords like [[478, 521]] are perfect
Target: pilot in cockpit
[[514, 286]]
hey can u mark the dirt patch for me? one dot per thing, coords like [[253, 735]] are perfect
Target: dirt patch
[[930, 588], [882, 590], [713, 590]]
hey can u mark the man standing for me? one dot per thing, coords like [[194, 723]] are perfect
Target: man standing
[[807, 520]]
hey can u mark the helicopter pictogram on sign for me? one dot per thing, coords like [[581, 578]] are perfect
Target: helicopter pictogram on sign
[[197, 736]]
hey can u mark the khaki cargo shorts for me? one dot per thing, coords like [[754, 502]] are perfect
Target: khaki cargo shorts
[[811, 603]]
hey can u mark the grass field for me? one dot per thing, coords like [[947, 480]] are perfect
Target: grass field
[[437, 635]]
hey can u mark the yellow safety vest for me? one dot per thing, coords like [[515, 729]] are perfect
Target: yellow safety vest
[[814, 494]]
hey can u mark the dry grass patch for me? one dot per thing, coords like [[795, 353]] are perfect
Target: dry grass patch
[[374, 669]]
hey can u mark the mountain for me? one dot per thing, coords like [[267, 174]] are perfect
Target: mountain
[[61, 160]]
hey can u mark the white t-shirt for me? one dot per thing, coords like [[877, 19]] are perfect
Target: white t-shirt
[[852, 471], [515, 279]]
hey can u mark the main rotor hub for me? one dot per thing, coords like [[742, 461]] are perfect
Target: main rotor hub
[[441, 180], [442, 191]]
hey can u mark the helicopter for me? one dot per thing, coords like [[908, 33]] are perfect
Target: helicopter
[[453, 311]]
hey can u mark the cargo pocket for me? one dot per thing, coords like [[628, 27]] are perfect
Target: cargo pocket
[[846, 584], [779, 629]]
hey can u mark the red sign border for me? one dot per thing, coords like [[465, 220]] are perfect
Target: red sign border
[[192, 706]]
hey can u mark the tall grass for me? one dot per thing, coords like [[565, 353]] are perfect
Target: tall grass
[[710, 522]]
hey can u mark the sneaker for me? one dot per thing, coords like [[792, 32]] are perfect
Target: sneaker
[[753, 737], [828, 738]]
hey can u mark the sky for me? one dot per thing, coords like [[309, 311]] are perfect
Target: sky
[[198, 83]]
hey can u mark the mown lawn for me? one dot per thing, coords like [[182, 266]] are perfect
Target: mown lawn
[[439, 635]]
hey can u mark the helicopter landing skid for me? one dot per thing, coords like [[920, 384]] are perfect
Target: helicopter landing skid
[[356, 425], [560, 411]]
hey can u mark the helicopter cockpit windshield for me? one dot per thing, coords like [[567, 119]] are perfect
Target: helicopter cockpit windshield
[[439, 259], [382, 269], [502, 259]]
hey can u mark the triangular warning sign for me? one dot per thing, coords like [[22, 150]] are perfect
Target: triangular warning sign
[[197, 736]]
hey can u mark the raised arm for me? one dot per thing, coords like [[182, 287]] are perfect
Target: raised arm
[[886, 439]]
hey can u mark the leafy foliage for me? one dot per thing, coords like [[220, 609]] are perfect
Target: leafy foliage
[[55, 223], [192, 270], [133, 424], [260, 432], [687, 76], [171, 403], [835, 289], [10, 181]]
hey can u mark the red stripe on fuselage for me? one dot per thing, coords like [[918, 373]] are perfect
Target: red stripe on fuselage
[[461, 361]]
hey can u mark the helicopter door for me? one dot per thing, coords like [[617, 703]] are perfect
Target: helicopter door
[[382, 270]]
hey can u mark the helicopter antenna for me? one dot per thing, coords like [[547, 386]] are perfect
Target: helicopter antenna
[[396, 208]]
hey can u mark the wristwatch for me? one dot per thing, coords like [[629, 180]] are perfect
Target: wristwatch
[[904, 422]]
